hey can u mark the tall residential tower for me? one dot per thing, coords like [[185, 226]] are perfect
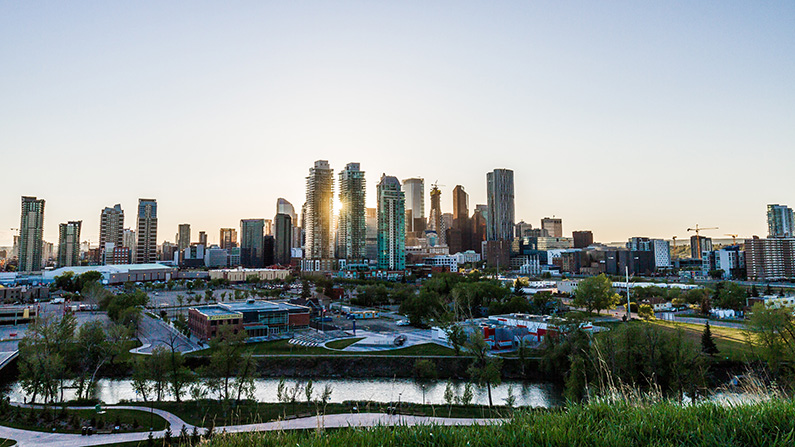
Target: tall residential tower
[[391, 224], [146, 248], [319, 211], [352, 229], [31, 232]]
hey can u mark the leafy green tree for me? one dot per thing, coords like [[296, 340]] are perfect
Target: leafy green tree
[[43, 355], [158, 367], [485, 370], [595, 293], [425, 369], [226, 359], [772, 333], [707, 342], [423, 307], [457, 337], [646, 312], [140, 377], [731, 296], [65, 282]]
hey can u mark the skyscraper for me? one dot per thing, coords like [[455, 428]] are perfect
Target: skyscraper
[[553, 226], [251, 234], [319, 212], [391, 224], [435, 222], [69, 243], [111, 228], [285, 207], [283, 238], [183, 237], [352, 230], [146, 248], [414, 189], [202, 238], [582, 239], [371, 239], [779, 221], [228, 238], [31, 232], [459, 237], [499, 192]]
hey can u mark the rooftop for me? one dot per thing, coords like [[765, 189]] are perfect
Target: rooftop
[[216, 310]]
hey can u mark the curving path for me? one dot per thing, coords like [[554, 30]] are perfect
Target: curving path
[[41, 439]]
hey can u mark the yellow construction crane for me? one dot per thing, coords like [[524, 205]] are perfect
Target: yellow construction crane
[[698, 231], [734, 237]]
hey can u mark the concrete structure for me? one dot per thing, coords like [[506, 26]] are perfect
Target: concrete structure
[[731, 260], [352, 224], [228, 238], [414, 189], [449, 262], [118, 274], [469, 256], [283, 239], [215, 257], [183, 237], [111, 229], [553, 226], [24, 294], [435, 222], [251, 250], [285, 207], [698, 245], [371, 234], [129, 240], [17, 314], [31, 232], [112, 255], [241, 274], [391, 224], [770, 259], [146, 247], [319, 212], [500, 219], [662, 253], [203, 238], [780, 221], [259, 319], [69, 243], [581, 239]]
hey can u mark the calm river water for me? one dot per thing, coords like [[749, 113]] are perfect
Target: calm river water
[[377, 390]]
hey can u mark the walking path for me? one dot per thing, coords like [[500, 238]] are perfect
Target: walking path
[[42, 439]]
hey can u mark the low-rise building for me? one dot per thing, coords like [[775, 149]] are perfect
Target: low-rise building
[[260, 319], [241, 274]]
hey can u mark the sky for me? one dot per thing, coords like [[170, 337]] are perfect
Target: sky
[[625, 118]]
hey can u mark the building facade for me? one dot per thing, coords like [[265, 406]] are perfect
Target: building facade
[[553, 226], [146, 247], [69, 243], [251, 243], [414, 189], [582, 239], [111, 227], [283, 239], [500, 194], [391, 224], [31, 233], [779, 221], [770, 259], [228, 238], [319, 212], [352, 225]]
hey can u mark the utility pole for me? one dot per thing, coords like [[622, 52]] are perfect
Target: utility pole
[[629, 315]]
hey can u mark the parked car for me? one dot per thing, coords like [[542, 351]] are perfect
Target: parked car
[[402, 323]]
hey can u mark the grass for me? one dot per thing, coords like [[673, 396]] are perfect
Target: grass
[[282, 347], [731, 342], [204, 413], [597, 425], [342, 344], [74, 420]]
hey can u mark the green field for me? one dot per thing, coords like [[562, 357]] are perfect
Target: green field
[[282, 347], [732, 343], [73, 420]]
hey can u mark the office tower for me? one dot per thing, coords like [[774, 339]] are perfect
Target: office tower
[[414, 189], [478, 230], [500, 219], [391, 224], [779, 221], [435, 222], [268, 227], [183, 237], [285, 207], [283, 239], [202, 238], [553, 226], [662, 253], [129, 239], [31, 232], [459, 237], [167, 251], [698, 245], [146, 247], [371, 234], [352, 228], [523, 228], [228, 238], [268, 249], [111, 227], [69, 243], [582, 239], [251, 234], [319, 212]]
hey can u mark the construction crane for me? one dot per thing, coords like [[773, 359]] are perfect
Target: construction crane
[[674, 238], [698, 231], [734, 237]]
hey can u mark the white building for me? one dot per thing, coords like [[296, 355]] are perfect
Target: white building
[[469, 256], [450, 261], [662, 253]]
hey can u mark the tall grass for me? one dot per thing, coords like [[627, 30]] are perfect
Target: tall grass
[[600, 423]]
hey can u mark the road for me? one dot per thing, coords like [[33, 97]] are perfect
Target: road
[[154, 332], [27, 438]]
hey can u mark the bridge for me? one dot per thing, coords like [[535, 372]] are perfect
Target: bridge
[[7, 357]]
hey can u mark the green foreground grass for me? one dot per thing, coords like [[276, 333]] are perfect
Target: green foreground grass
[[282, 347], [71, 421], [731, 342], [597, 425], [207, 413]]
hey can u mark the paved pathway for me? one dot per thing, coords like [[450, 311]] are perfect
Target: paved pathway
[[41, 439]]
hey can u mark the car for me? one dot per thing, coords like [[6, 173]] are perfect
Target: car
[[402, 323]]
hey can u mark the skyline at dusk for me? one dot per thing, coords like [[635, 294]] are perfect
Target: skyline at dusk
[[624, 119]]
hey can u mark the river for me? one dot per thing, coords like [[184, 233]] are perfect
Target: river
[[528, 394]]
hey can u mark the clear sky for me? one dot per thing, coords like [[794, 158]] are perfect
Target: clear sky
[[626, 118]]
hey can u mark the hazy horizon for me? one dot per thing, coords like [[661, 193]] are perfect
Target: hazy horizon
[[625, 119]]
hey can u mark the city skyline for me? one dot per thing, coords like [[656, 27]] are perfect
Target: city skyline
[[609, 115]]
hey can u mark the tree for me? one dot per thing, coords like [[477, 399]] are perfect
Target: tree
[[646, 312], [428, 304], [226, 358], [208, 295], [93, 351], [707, 342], [140, 377], [754, 291], [772, 333], [457, 337], [485, 369], [595, 293], [731, 296], [44, 353], [158, 365]]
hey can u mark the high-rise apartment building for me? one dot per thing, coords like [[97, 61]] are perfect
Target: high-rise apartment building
[[31, 232], [228, 238], [111, 228], [435, 221], [146, 247], [268, 227], [371, 234], [698, 245], [779, 221], [129, 240], [414, 189], [352, 228], [582, 239], [202, 238], [251, 249], [391, 224], [459, 237], [285, 207], [319, 212], [69, 243], [500, 219], [770, 259], [283, 239], [183, 237], [553, 226]]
